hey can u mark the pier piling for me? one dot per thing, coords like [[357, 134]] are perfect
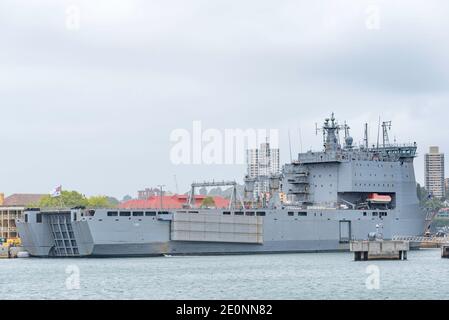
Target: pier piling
[[379, 250]]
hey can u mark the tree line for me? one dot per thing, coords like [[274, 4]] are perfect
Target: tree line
[[76, 199]]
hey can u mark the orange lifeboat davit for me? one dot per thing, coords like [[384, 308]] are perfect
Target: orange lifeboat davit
[[378, 198]]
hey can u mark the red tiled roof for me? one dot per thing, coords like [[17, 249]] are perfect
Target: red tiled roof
[[171, 202], [21, 199]]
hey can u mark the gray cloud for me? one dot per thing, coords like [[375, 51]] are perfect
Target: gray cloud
[[93, 109]]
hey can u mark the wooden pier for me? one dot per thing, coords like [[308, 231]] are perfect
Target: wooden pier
[[379, 250]]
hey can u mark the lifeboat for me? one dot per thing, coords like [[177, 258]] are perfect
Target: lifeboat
[[378, 198]]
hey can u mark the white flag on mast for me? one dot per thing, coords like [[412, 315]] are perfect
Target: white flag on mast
[[56, 192]]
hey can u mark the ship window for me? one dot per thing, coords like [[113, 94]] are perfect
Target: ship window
[[238, 213], [125, 214], [261, 214], [166, 212], [364, 214], [137, 214], [112, 213], [302, 214], [39, 218], [374, 214], [250, 213], [291, 213], [226, 212], [26, 217], [150, 213]]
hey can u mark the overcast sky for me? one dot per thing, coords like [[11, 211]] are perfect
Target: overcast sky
[[91, 105]]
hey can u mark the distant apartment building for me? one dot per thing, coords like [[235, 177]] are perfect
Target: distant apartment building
[[147, 193], [151, 192], [434, 172], [262, 163], [446, 186]]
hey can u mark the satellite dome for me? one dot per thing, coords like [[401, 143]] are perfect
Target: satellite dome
[[349, 141]]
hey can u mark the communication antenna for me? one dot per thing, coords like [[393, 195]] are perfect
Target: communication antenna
[[365, 139], [161, 194], [378, 133], [324, 133], [290, 146], [346, 128], [176, 185]]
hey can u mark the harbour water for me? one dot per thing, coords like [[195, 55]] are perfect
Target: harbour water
[[282, 276]]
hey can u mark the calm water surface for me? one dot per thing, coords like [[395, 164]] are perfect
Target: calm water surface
[[288, 276]]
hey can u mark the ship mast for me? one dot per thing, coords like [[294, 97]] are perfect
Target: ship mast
[[331, 130], [365, 139]]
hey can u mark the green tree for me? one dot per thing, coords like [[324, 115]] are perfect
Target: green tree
[[208, 202], [66, 199], [434, 204], [99, 202], [422, 193], [70, 199], [113, 202]]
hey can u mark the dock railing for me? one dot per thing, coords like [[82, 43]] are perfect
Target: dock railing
[[423, 239]]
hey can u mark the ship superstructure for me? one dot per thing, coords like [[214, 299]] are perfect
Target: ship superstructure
[[319, 202]]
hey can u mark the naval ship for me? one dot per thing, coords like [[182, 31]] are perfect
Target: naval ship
[[319, 202]]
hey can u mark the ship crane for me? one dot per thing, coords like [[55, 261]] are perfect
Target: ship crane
[[386, 126], [234, 195]]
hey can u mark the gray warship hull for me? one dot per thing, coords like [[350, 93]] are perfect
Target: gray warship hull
[[60, 235], [331, 197]]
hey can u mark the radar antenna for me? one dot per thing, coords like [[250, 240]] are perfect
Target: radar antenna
[[330, 131]]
